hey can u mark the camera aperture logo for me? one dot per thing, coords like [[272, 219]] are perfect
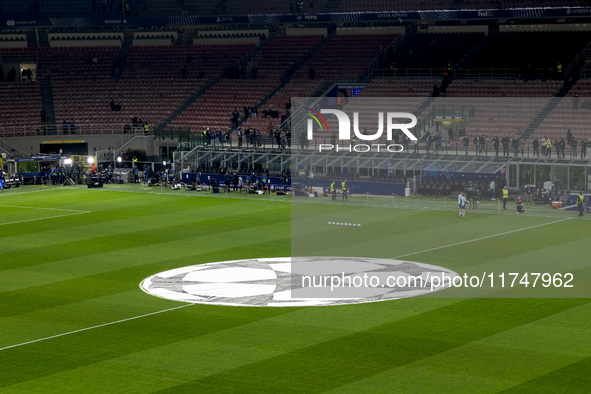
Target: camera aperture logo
[[345, 135]]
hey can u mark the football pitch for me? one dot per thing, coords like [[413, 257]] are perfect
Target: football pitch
[[74, 319]]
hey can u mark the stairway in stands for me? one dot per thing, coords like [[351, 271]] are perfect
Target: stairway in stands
[[242, 62], [162, 125], [32, 41], [545, 112], [476, 49], [123, 52], [285, 78], [48, 106]]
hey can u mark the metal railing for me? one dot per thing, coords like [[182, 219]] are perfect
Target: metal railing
[[58, 129], [579, 59], [505, 73], [407, 73]]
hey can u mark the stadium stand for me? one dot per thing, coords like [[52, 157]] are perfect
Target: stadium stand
[[535, 54], [213, 109], [21, 110], [432, 50]]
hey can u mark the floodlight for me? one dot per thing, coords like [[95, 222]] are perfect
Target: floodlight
[[68, 161], [90, 160], [119, 159]]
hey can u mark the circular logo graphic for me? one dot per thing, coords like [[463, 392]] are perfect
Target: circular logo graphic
[[298, 281]]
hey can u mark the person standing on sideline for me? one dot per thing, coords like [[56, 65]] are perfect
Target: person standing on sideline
[[505, 197], [462, 203], [492, 187], [333, 190], [528, 195], [580, 203], [344, 188], [235, 181]]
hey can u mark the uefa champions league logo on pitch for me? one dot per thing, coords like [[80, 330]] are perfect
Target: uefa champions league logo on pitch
[[344, 133]]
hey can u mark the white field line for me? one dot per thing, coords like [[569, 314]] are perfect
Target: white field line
[[74, 212], [93, 327], [48, 217], [49, 209], [481, 238]]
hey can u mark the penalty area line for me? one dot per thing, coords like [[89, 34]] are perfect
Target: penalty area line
[[481, 238], [93, 327]]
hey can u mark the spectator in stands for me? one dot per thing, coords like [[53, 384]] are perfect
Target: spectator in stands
[[505, 143], [234, 119], [239, 134], [543, 146], [246, 112], [210, 136], [303, 140], [450, 135], [114, 107], [536, 146], [521, 142], [228, 137], [573, 148], [466, 144], [515, 145], [584, 148], [28, 74], [482, 144], [569, 136], [435, 92], [43, 116], [219, 137], [65, 127], [548, 148], [247, 137], [73, 127], [496, 145], [562, 147], [438, 142], [253, 111]]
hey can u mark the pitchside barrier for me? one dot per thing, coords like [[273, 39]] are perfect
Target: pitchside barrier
[[206, 178], [396, 199]]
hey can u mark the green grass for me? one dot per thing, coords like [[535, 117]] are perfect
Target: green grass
[[78, 265]]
